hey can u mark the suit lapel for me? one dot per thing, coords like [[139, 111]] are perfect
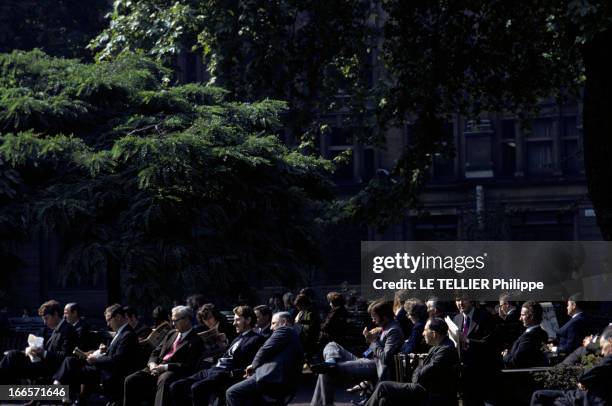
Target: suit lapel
[[473, 323]]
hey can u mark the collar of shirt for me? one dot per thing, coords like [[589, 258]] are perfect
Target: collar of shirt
[[576, 314], [183, 335], [121, 329], [469, 314], [531, 328], [245, 332]]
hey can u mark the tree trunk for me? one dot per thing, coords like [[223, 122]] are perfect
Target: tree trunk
[[597, 122]]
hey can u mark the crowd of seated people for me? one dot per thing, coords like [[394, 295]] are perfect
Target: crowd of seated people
[[200, 358]]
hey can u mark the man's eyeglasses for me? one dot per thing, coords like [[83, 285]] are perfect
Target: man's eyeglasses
[[174, 321]]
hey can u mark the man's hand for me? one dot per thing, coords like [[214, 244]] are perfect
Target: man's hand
[[581, 386], [90, 358], [587, 340], [371, 335], [504, 352], [158, 370], [249, 371]]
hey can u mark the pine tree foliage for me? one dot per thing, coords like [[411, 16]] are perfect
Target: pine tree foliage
[[176, 188]]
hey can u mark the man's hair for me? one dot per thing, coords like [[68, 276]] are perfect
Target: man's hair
[[50, 307], [115, 309], [183, 312], [302, 300], [263, 309], [607, 333], [438, 325], [195, 301], [159, 314], [535, 309], [208, 310], [336, 299], [284, 316], [416, 310], [130, 311], [246, 312], [74, 307], [506, 297], [382, 308], [577, 300]]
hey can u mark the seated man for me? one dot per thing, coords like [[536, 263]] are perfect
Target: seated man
[[174, 358], [572, 333], [276, 368], [264, 320], [109, 367], [385, 341], [72, 314], [433, 383], [43, 362], [526, 352], [198, 388], [594, 386], [141, 329]]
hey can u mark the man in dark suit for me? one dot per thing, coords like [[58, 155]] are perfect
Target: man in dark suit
[[480, 361], [198, 388], [508, 327], [384, 342], [594, 385], [174, 358], [434, 383], [107, 366], [526, 352], [72, 314], [264, 320], [141, 329], [573, 332], [18, 364], [276, 368]]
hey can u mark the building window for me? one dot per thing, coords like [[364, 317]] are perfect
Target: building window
[[479, 149], [539, 158], [572, 157], [539, 147]]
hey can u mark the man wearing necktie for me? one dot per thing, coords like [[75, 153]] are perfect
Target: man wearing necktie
[[174, 358], [434, 383], [200, 387], [41, 362], [107, 366], [479, 360]]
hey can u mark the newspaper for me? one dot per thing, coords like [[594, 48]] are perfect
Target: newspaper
[[35, 343], [452, 331]]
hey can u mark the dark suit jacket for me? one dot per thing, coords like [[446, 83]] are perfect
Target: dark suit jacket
[[438, 374], [266, 332], [572, 333], [250, 343], [84, 335], [415, 343], [186, 356], [123, 356], [385, 347], [480, 354], [526, 352], [279, 360], [598, 382], [61, 343]]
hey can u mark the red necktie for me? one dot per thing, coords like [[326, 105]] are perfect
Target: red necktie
[[174, 347], [466, 325]]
